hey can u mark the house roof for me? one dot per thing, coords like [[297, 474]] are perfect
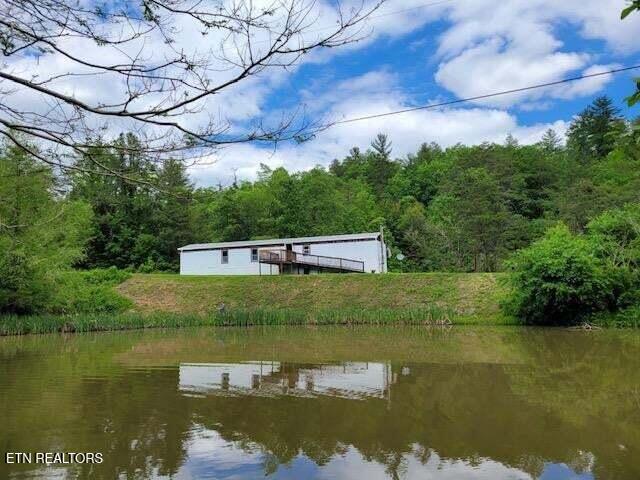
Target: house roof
[[281, 241]]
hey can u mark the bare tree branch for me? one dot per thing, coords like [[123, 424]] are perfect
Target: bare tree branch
[[73, 75]]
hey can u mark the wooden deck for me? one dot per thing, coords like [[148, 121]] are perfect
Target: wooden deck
[[297, 259]]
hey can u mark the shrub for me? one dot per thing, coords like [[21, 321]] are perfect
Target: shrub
[[89, 292], [104, 276], [617, 232], [23, 288], [560, 280]]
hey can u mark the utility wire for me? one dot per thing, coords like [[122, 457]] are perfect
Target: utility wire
[[488, 95]]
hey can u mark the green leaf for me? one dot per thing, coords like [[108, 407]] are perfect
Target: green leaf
[[635, 98], [627, 11]]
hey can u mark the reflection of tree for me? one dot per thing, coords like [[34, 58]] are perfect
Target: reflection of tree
[[144, 419], [77, 401], [569, 399], [461, 412], [468, 412], [589, 380]]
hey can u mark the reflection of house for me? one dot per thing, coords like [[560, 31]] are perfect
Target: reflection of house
[[346, 380]]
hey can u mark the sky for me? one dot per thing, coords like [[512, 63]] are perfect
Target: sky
[[419, 53], [413, 53]]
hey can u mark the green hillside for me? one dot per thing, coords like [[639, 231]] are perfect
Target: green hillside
[[466, 298]]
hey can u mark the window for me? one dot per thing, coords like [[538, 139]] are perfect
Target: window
[[225, 256], [254, 254], [306, 249]]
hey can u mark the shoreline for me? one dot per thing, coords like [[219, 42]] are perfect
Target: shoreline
[[148, 301], [11, 325]]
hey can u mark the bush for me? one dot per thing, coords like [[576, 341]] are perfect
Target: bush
[[23, 288], [560, 280], [89, 292], [104, 276]]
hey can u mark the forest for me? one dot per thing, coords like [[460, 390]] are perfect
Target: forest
[[462, 208], [459, 209]]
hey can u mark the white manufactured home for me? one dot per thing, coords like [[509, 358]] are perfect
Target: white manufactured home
[[355, 253]]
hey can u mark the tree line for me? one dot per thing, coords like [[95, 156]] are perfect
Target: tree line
[[460, 208]]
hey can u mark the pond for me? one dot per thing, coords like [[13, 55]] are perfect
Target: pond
[[331, 403]]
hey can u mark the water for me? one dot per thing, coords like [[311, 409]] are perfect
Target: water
[[331, 403]]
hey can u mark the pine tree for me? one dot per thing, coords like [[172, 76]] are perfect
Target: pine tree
[[382, 146], [40, 231], [172, 220], [510, 141], [380, 168], [592, 134], [550, 141]]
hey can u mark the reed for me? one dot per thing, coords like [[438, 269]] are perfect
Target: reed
[[627, 318], [38, 324]]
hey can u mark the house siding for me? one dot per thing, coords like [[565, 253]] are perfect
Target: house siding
[[209, 261]]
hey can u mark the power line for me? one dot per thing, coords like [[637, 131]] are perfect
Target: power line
[[485, 96]]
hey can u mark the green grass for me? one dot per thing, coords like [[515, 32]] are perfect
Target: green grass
[[91, 291], [475, 298], [94, 301], [20, 325], [627, 318]]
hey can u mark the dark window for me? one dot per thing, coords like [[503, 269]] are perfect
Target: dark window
[[254, 254], [306, 249], [225, 256]]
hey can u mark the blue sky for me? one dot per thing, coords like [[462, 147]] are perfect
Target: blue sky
[[419, 53], [416, 52]]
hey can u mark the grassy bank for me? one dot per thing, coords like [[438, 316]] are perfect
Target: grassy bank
[[468, 298], [167, 301]]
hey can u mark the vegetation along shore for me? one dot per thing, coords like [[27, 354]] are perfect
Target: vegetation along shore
[[164, 300], [542, 234], [104, 300]]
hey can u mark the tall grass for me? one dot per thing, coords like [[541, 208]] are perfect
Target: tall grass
[[20, 325], [627, 318]]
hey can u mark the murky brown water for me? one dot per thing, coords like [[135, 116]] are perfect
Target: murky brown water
[[361, 403]]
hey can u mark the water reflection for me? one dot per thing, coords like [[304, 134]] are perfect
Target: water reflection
[[352, 380], [327, 403]]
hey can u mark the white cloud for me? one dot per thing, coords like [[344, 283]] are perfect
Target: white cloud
[[587, 86], [362, 97], [493, 66], [352, 466], [493, 46], [239, 103], [487, 46]]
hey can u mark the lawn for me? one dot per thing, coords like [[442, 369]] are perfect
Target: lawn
[[467, 297]]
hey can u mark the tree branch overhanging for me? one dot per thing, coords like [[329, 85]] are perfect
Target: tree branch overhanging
[[72, 75]]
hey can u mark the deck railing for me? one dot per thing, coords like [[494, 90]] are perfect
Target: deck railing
[[321, 261]]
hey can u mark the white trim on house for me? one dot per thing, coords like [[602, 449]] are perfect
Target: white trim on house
[[282, 241]]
